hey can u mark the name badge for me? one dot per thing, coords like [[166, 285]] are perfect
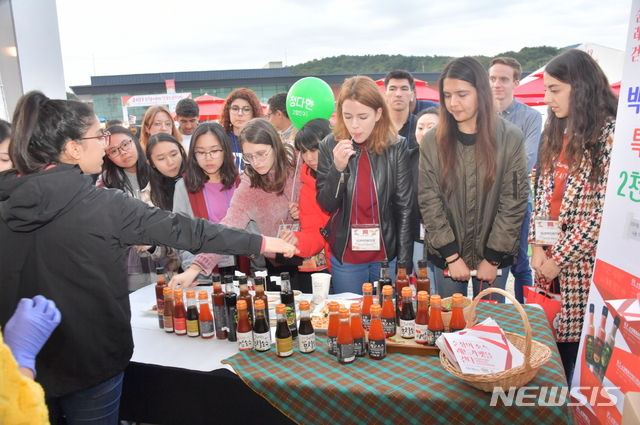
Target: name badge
[[365, 237], [547, 231], [227, 261], [422, 230], [292, 227]]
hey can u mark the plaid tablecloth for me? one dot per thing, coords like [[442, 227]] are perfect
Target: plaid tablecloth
[[400, 389]]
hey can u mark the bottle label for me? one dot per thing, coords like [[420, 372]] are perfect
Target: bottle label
[[284, 346], [346, 353], [432, 336], [421, 333], [366, 321], [389, 325], [245, 341], [377, 348], [262, 342], [291, 317], [307, 343], [359, 346], [168, 323], [180, 325], [407, 328], [160, 306], [332, 344], [206, 329], [220, 317], [192, 328]]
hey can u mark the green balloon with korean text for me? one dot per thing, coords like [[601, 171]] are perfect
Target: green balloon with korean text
[[309, 98]]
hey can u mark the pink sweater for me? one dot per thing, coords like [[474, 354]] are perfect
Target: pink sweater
[[268, 210]]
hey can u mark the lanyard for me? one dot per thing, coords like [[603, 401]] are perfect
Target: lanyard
[[373, 212], [206, 199], [237, 154], [409, 130]]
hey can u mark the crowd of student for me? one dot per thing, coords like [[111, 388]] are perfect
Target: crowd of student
[[393, 179]]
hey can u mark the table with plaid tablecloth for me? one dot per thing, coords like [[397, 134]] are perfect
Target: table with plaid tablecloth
[[400, 389]]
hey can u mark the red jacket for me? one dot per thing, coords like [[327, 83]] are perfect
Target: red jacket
[[312, 219]]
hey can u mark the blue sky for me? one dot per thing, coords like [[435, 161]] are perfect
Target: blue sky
[[109, 37]]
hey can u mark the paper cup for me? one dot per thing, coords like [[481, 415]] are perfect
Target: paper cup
[[321, 283]]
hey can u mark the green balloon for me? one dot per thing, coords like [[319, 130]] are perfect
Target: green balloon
[[308, 99]]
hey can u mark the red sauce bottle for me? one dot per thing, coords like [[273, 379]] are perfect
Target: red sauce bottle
[[457, 322], [388, 312], [346, 351], [205, 318], [244, 331], [168, 309], [193, 328], [402, 281], [161, 283], [367, 300], [422, 318], [357, 331], [219, 310], [179, 314], [377, 337], [332, 330], [423, 283], [436, 325]]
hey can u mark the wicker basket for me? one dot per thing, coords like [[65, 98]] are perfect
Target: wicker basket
[[535, 355], [469, 314]]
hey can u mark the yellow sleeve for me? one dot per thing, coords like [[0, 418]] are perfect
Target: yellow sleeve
[[21, 398]]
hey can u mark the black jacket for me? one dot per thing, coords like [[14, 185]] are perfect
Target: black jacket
[[65, 239], [394, 188]]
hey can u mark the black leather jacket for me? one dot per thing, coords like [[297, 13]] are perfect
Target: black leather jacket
[[394, 188]]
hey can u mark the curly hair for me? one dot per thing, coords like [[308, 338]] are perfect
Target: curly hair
[[591, 103], [246, 94]]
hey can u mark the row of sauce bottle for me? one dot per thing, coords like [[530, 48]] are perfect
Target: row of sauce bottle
[[242, 318]]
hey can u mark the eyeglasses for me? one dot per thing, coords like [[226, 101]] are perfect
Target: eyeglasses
[[103, 138], [235, 110], [257, 157], [124, 147], [214, 154]]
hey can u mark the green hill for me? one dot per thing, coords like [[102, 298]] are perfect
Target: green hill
[[531, 58]]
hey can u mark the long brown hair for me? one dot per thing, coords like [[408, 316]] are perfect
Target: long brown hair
[[260, 131], [147, 121], [469, 70], [225, 116], [364, 90], [591, 103]]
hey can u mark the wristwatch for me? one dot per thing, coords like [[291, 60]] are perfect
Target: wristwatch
[[494, 263]]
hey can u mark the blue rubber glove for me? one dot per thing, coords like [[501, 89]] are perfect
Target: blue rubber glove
[[29, 328]]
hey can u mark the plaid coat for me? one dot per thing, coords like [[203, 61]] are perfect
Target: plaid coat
[[580, 217]]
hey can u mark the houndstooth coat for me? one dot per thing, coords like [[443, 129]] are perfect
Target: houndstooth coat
[[580, 217]]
